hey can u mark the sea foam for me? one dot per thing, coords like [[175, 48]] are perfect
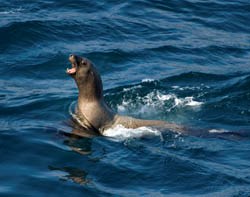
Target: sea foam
[[121, 133]]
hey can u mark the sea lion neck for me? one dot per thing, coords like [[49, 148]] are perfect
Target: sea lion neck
[[87, 79], [90, 90]]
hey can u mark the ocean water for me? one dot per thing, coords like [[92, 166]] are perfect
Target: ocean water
[[186, 62]]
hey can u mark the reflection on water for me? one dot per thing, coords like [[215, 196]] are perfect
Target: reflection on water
[[75, 174], [79, 141]]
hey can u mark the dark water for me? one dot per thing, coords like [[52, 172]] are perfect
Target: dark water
[[182, 61]]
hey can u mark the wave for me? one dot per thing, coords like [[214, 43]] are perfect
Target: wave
[[190, 98], [144, 51], [12, 11], [154, 101]]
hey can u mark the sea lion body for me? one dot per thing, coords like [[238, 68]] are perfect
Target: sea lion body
[[92, 111]]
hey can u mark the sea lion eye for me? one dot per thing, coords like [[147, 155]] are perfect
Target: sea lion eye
[[84, 62]]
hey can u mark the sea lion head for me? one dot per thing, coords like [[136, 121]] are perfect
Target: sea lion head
[[86, 76]]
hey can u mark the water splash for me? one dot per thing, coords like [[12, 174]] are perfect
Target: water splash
[[147, 80], [154, 101], [121, 133], [218, 131]]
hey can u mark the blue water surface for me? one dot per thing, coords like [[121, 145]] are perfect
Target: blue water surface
[[186, 62]]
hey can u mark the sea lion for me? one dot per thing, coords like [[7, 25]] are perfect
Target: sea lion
[[92, 112]]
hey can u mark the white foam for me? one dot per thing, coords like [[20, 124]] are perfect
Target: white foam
[[188, 101], [163, 97], [175, 87], [122, 108], [218, 131], [147, 80], [131, 88], [155, 101], [191, 87], [121, 133]]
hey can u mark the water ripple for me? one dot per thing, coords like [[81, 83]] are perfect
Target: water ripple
[[181, 61]]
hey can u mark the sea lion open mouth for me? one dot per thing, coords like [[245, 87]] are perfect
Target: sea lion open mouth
[[74, 64]]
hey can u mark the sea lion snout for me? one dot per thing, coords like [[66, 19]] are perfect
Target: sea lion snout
[[74, 63], [80, 67], [73, 58]]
